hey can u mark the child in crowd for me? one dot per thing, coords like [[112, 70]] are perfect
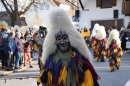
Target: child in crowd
[[27, 55]]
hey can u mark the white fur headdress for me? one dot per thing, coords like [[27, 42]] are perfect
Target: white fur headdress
[[85, 26], [101, 33], [114, 34], [95, 29], [60, 21]]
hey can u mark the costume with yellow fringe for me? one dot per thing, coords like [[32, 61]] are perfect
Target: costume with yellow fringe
[[114, 50], [86, 34], [95, 41], [95, 47], [39, 43], [72, 67], [101, 37]]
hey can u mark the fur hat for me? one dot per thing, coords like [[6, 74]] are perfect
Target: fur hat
[[114, 34], [101, 33], [85, 27], [60, 21], [95, 29]]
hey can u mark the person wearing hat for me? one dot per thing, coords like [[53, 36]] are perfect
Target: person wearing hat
[[39, 41], [66, 58], [95, 41], [101, 44], [86, 34], [114, 50]]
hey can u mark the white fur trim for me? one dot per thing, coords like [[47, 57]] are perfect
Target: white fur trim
[[114, 34], [95, 29], [60, 21], [85, 26], [101, 33]]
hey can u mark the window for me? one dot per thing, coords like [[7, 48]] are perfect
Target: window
[[106, 3]]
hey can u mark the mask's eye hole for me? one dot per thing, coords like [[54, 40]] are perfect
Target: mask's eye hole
[[64, 37], [58, 38]]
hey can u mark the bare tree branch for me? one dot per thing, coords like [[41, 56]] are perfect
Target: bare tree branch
[[9, 6], [7, 9], [22, 7], [22, 12]]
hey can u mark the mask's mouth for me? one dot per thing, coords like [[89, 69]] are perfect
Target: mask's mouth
[[63, 45]]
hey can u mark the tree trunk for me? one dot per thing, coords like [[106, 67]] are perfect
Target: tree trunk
[[13, 20]]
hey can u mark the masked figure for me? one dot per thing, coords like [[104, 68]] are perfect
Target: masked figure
[[101, 44], [86, 34], [40, 40], [94, 41], [114, 50], [66, 60]]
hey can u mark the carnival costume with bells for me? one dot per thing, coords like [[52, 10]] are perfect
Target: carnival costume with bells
[[40, 40], [114, 50], [86, 34], [101, 45], [66, 60], [95, 41]]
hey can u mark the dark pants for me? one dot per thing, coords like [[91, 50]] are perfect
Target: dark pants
[[9, 60], [2, 55]]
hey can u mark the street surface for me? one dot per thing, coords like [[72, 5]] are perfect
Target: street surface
[[116, 78]]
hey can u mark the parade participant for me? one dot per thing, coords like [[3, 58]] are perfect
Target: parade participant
[[66, 60], [39, 40], [94, 41], [86, 34], [114, 50], [95, 29], [101, 45]]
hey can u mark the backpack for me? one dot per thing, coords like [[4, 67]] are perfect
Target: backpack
[[1, 39]]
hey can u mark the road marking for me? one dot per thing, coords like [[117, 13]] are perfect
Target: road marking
[[108, 67]]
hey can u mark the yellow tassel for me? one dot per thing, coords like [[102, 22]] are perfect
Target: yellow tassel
[[118, 62], [88, 79], [120, 53], [115, 50], [104, 52], [62, 76], [49, 80], [38, 78], [111, 68], [77, 77], [104, 57], [96, 58]]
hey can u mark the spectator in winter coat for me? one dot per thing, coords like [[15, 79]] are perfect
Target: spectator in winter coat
[[3, 36], [19, 49], [9, 49]]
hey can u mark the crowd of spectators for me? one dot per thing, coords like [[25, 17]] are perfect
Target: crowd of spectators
[[15, 49]]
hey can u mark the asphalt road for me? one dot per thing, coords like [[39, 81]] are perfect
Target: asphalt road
[[116, 78]]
